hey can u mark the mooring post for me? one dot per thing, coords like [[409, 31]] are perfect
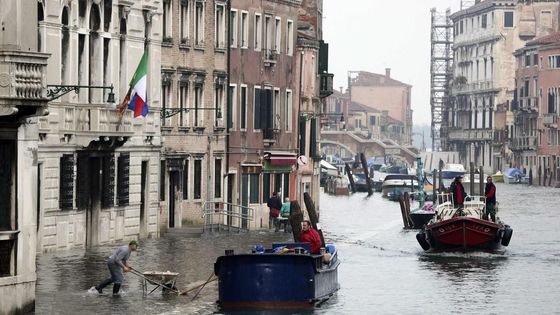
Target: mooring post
[[530, 177], [366, 173], [350, 177], [407, 208], [471, 174], [481, 181], [403, 212], [313, 217], [296, 216]]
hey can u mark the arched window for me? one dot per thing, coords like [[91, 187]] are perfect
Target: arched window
[[40, 18], [64, 45]]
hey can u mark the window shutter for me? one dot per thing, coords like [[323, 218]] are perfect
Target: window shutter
[[83, 182], [257, 109], [302, 125], [123, 179], [108, 181], [186, 180], [66, 199], [313, 139]]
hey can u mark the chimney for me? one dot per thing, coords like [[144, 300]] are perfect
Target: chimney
[[388, 72]]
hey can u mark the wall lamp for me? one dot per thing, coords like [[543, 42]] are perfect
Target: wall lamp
[[170, 112], [55, 91]]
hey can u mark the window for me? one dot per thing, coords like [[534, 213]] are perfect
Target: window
[[185, 21], [123, 173], [460, 27], [233, 28], [220, 30], [232, 106], [108, 181], [183, 103], [197, 179], [186, 180], [277, 122], [218, 178], [254, 188], [535, 59], [554, 62], [8, 188], [484, 21], [527, 60], [167, 19], [508, 19], [198, 115], [278, 37], [290, 38], [372, 120], [268, 34], [244, 29], [258, 32], [289, 104], [162, 180], [218, 100], [199, 24], [243, 107], [165, 98], [66, 192], [257, 109]]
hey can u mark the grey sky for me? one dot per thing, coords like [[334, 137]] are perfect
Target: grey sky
[[372, 35]]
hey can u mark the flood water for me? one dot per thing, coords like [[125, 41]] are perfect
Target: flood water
[[383, 268]]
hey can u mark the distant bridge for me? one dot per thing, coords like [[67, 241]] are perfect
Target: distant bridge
[[352, 144]]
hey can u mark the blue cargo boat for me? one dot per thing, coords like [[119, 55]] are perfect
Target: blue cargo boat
[[283, 277]]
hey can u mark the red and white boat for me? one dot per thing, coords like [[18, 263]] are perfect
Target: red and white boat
[[465, 229]]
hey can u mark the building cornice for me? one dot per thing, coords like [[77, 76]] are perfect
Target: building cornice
[[482, 7]]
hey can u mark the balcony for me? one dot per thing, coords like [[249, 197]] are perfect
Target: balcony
[[550, 120], [528, 104], [524, 143], [326, 84], [471, 135], [483, 86], [270, 57], [22, 83]]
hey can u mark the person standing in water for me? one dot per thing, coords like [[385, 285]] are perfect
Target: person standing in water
[[117, 263]]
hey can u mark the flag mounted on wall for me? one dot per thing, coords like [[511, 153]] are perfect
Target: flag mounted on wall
[[136, 97]]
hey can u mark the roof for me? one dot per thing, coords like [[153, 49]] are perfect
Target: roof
[[365, 78], [359, 107], [545, 40]]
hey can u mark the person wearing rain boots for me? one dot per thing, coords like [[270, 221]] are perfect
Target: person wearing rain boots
[[117, 263]]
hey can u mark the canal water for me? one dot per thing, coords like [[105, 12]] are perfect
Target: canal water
[[383, 268]]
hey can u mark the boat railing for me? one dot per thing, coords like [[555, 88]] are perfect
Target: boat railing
[[226, 216]]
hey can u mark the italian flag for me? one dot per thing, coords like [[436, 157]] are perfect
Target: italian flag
[[136, 98]]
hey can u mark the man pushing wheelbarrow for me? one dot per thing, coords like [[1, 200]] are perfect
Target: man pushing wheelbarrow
[[117, 263]]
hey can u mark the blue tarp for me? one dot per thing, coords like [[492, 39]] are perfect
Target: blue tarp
[[512, 172]]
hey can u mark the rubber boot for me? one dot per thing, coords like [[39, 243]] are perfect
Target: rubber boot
[[103, 284], [116, 288], [493, 215]]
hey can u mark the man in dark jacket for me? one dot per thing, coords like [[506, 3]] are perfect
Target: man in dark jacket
[[274, 205], [458, 191], [490, 193]]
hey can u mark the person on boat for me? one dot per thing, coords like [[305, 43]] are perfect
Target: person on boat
[[117, 263], [285, 214], [309, 235], [490, 193], [274, 205], [458, 191]]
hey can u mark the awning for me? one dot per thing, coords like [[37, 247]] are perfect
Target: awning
[[280, 158], [328, 166]]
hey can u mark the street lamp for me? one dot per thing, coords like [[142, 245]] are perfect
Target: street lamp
[[55, 91]]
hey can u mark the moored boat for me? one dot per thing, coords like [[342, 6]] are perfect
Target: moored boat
[[285, 276], [498, 177], [515, 176], [463, 229], [451, 170], [395, 184]]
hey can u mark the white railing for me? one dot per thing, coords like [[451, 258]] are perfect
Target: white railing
[[225, 216]]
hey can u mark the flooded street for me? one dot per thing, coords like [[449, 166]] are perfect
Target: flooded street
[[383, 268]]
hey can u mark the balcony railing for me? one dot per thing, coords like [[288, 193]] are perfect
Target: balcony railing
[[473, 87], [550, 120], [524, 143], [471, 134]]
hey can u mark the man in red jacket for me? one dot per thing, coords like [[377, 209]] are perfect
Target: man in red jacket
[[309, 235]]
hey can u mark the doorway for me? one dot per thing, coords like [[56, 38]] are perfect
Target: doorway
[[144, 194], [91, 168], [173, 189], [230, 189]]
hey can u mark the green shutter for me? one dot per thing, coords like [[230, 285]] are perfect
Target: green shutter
[[302, 125]]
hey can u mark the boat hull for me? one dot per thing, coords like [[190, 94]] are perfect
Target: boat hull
[[419, 219], [273, 281], [464, 234]]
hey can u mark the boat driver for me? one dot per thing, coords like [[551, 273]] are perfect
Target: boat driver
[[490, 193], [458, 192]]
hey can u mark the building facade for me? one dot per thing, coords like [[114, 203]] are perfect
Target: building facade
[[22, 99], [535, 142], [384, 93], [97, 174], [193, 97], [485, 37]]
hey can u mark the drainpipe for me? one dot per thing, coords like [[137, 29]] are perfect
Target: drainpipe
[[302, 54], [228, 99]]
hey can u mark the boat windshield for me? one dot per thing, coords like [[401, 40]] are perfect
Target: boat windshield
[[400, 176]]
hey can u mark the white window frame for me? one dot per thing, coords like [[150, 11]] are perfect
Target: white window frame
[[234, 24], [255, 88], [257, 40], [268, 33], [278, 37], [244, 30], [199, 23], [243, 87], [185, 22], [290, 38], [168, 12], [233, 113], [277, 108], [288, 110], [184, 102]]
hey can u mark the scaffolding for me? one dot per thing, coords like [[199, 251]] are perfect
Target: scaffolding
[[441, 74]]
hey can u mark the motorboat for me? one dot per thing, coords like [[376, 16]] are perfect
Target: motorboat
[[398, 184], [285, 276], [463, 228], [337, 185], [498, 177], [515, 176], [451, 170]]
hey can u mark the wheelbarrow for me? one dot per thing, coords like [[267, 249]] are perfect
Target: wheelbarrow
[[153, 280]]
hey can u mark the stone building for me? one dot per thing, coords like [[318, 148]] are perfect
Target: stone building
[[263, 91], [485, 37], [193, 99], [97, 175], [384, 93], [22, 99], [536, 138]]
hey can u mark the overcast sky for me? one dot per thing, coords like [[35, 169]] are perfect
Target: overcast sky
[[372, 35]]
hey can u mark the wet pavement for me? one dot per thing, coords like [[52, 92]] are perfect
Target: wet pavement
[[383, 268]]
